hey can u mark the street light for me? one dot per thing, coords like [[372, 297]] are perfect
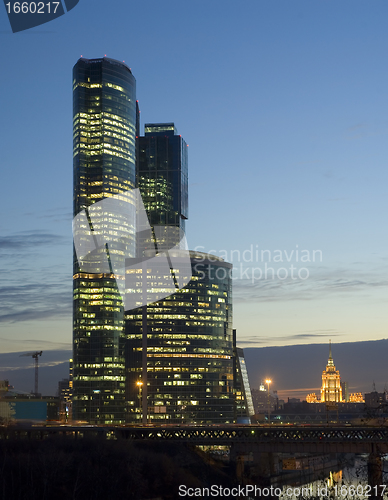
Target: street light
[[268, 381], [139, 385]]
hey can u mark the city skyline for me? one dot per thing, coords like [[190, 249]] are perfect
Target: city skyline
[[171, 359], [295, 371], [287, 153]]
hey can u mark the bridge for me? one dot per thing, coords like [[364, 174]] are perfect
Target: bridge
[[277, 439]]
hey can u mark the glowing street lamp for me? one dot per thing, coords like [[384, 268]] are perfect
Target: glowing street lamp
[[268, 381], [139, 385]]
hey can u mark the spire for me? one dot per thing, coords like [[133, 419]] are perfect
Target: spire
[[330, 362]]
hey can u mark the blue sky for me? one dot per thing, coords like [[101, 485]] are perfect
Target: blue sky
[[284, 105]]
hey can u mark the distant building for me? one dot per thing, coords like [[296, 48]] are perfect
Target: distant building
[[16, 407], [262, 400], [4, 385], [331, 390], [376, 399], [334, 391], [242, 390], [319, 413], [356, 397], [345, 391], [65, 394], [312, 398]]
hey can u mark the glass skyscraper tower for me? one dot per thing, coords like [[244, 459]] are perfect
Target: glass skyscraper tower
[[189, 341], [104, 152], [189, 349], [163, 180]]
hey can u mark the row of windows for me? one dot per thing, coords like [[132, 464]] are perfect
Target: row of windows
[[174, 335], [181, 355], [164, 349], [95, 379], [210, 368]]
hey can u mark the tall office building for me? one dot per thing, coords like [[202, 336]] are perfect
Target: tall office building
[[189, 349], [163, 180], [104, 130], [189, 352]]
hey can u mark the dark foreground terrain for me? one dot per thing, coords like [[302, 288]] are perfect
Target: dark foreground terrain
[[97, 469]]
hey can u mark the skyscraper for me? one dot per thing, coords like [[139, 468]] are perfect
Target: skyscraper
[[188, 342], [163, 179], [104, 131], [189, 352]]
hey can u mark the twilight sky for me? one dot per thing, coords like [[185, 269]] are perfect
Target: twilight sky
[[284, 104]]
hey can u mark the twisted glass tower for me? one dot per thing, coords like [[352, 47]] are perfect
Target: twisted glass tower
[[104, 152]]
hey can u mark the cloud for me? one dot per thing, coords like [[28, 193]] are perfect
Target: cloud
[[54, 212], [28, 366], [35, 278], [28, 240], [255, 341], [40, 342], [356, 127], [30, 315], [299, 336], [53, 366], [322, 282], [67, 216], [50, 357], [329, 174], [357, 131], [35, 301]]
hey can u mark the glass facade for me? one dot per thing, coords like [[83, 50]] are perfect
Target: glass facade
[[104, 132], [242, 390], [189, 349], [163, 178]]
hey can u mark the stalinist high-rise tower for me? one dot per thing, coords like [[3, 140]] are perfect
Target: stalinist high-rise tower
[[331, 382]]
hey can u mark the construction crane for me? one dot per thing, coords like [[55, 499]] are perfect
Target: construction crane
[[35, 356]]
